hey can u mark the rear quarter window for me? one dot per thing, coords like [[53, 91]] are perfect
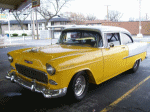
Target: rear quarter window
[[126, 39]]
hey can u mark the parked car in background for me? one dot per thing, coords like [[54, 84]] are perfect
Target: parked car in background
[[83, 55]]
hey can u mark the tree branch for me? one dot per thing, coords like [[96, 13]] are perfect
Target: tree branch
[[63, 5]]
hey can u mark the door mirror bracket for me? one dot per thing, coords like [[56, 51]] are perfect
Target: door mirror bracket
[[111, 45]]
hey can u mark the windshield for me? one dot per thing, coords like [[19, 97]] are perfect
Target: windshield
[[81, 38]]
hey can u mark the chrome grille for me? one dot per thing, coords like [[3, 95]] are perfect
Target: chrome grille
[[32, 73]]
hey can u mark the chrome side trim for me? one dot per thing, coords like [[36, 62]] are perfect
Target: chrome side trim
[[131, 56], [33, 86]]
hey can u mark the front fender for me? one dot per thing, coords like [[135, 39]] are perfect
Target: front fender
[[67, 67]]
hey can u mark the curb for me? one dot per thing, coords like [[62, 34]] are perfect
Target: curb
[[11, 45], [144, 42], [138, 37]]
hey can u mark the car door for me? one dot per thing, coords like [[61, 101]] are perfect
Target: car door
[[114, 62], [128, 41]]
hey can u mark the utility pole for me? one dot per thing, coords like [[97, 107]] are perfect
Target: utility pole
[[139, 16], [36, 23], [107, 12], [32, 23], [33, 26]]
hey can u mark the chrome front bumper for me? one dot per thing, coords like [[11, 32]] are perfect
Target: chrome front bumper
[[33, 86]]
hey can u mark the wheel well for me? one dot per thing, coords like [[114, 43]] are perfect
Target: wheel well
[[88, 74], [140, 59], [137, 60]]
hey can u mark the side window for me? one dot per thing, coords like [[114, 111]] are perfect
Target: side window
[[126, 39], [112, 38]]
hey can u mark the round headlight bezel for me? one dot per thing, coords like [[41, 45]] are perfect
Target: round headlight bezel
[[10, 58], [50, 70]]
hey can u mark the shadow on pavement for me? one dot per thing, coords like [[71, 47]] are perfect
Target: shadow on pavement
[[30, 101], [25, 100]]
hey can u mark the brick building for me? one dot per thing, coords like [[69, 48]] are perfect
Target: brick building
[[132, 27]]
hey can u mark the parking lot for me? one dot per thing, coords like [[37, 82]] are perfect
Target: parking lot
[[125, 93]]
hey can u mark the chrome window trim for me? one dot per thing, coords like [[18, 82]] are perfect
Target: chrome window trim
[[127, 35], [104, 40]]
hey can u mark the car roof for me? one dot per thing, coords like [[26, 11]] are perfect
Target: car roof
[[98, 28]]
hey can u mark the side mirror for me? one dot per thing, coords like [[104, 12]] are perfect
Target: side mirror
[[111, 45]]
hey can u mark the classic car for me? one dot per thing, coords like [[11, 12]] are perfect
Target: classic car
[[97, 54]]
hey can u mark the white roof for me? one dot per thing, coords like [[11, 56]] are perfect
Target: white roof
[[99, 28]]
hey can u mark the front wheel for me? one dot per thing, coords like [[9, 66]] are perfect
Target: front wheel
[[78, 86]]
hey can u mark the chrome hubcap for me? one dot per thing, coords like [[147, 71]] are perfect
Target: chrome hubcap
[[80, 85]]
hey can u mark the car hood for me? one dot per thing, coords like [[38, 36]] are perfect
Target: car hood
[[55, 51], [41, 55]]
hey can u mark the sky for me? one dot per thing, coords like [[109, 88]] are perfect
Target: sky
[[98, 8], [129, 8]]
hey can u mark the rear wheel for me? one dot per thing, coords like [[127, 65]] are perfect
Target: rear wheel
[[135, 66], [78, 86]]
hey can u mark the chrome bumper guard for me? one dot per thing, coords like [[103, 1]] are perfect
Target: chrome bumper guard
[[47, 93]]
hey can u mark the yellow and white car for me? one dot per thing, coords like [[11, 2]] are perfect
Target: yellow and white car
[[83, 55]]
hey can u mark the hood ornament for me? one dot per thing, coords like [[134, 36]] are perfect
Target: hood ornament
[[34, 50], [29, 62]]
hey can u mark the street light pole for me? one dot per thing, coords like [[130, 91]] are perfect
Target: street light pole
[[139, 16], [9, 26], [146, 17], [140, 27]]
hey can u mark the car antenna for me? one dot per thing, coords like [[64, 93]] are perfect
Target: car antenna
[[51, 40], [52, 34]]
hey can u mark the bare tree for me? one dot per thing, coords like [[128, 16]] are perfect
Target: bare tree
[[114, 15], [90, 17], [21, 16], [48, 12], [76, 18], [131, 19], [144, 18]]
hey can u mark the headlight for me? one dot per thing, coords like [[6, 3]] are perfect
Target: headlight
[[50, 69], [10, 58]]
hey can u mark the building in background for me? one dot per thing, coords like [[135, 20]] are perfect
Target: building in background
[[16, 28], [95, 22], [131, 26]]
